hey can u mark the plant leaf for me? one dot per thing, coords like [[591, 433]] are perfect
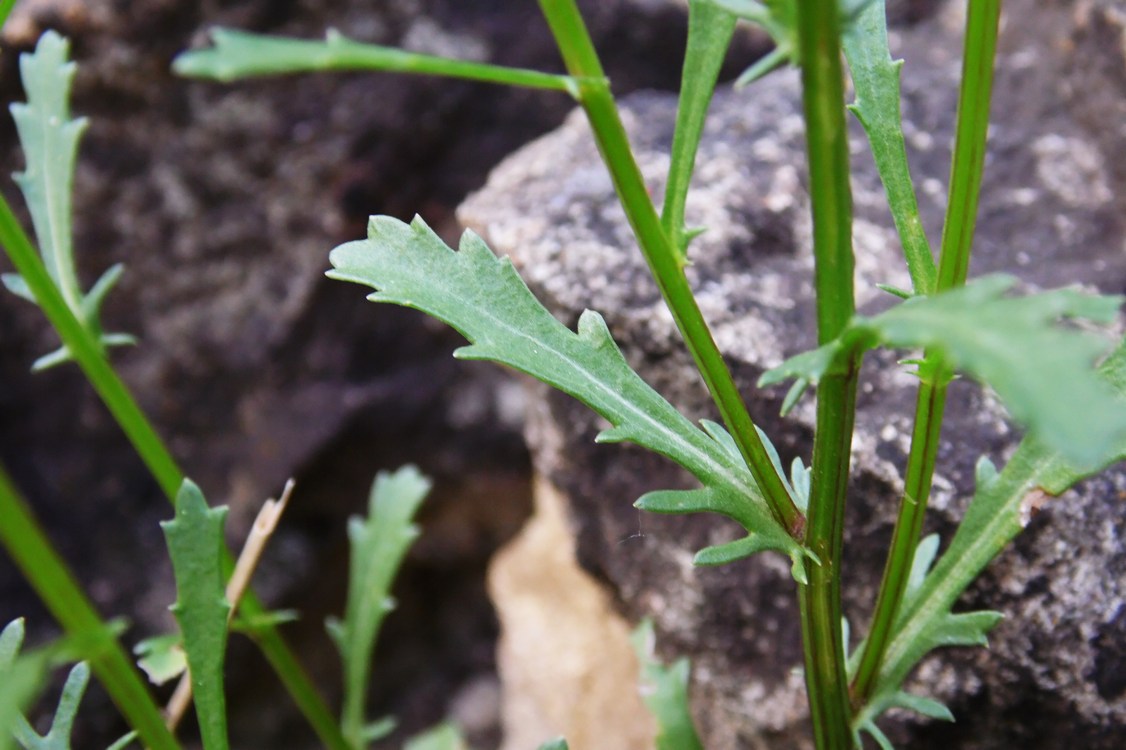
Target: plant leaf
[[241, 54], [483, 298], [50, 142], [664, 689], [992, 520], [556, 744], [123, 742], [1010, 343], [710, 29], [20, 680], [378, 729], [49, 138], [875, 77], [162, 657], [58, 737], [445, 736], [378, 544], [16, 284], [195, 543]]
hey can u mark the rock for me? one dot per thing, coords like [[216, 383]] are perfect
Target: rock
[[565, 659], [1050, 213]]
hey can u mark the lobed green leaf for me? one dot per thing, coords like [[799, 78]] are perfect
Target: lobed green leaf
[[58, 737], [710, 29], [20, 677], [664, 689], [484, 298], [161, 657], [49, 138], [20, 680], [242, 54], [378, 544], [195, 543], [1042, 373], [875, 78]]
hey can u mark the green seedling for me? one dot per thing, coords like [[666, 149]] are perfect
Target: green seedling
[[378, 544], [665, 692], [195, 543], [50, 142]]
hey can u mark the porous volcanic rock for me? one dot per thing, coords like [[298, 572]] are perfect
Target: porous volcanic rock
[[1051, 213]]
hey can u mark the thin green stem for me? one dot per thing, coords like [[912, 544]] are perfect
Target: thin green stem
[[241, 54], [929, 407], [52, 580], [826, 675], [90, 357], [982, 20], [594, 94], [88, 354], [831, 201]]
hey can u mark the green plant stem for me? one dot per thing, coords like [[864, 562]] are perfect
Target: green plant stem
[[982, 19], [88, 354], [582, 62], [831, 202], [153, 452], [241, 54], [52, 580], [825, 671], [957, 239], [929, 406]]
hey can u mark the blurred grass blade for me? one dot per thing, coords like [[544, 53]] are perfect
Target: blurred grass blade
[[875, 77], [710, 29], [241, 54], [379, 543], [195, 543]]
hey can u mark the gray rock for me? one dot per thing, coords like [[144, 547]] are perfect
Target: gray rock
[[1051, 213]]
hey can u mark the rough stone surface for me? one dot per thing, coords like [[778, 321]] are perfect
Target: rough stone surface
[[1051, 213], [565, 659]]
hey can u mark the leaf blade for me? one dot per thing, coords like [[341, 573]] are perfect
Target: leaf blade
[[240, 54], [710, 29], [875, 77], [379, 543], [195, 544], [664, 690], [483, 298], [1010, 343]]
